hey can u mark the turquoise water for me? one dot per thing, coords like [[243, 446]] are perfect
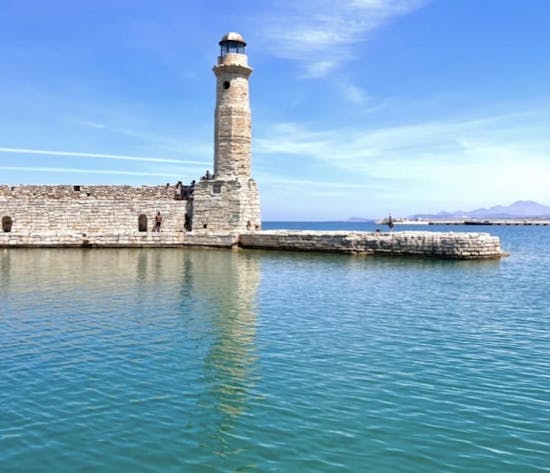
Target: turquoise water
[[173, 360]]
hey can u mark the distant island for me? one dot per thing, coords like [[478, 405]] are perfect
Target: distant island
[[519, 209], [522, 209]]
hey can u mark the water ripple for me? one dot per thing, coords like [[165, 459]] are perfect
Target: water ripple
[[251, 361]]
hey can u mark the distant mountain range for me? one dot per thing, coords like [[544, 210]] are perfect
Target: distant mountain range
[[519, 209]]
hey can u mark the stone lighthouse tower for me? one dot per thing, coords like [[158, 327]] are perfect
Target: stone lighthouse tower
[[229, 200], [232, 121]]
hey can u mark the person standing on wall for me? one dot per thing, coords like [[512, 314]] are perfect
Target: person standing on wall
[[158, 221]]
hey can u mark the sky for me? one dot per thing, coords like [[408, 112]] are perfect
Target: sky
[[359, 107]]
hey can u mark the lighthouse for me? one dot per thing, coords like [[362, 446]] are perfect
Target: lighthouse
[[229, 200], [232, 131]]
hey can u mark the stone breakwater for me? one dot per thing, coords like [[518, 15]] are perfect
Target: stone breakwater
[[423, 244], [460, 246]]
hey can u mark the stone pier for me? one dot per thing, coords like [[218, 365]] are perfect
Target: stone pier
[[445, 245], [163, 239], [458, 246]]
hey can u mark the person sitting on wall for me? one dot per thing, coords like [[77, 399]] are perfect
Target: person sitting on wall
[[208, 176], [158, 221]]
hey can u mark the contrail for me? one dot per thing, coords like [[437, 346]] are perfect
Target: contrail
[[96, 155], [84, 171]]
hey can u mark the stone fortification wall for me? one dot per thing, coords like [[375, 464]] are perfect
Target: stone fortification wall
[[164, 192], [89, 209], [226, 205], [425, 244]]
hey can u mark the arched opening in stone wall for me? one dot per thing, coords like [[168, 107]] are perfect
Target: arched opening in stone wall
[[6, 224], [142, 223]]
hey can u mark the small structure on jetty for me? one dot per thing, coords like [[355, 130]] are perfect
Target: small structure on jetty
[[218, 210]]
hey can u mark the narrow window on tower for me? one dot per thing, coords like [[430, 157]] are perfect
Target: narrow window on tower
[[226, 84]]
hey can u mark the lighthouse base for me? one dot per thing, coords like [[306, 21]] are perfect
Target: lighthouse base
[[225, 205]]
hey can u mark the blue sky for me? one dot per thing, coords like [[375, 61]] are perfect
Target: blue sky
[[359, 107]]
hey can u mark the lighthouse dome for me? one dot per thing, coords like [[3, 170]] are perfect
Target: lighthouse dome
[[232, 43], [232, 36]]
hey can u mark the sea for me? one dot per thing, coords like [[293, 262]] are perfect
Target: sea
[[206, 360]]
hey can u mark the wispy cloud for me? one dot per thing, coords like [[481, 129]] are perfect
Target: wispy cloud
[[85, 171], [92, 124], [281, 181], [353, 93], [76, 154], [113, 129], [305, 31], [458, 161], [350, 147], [140, 132]]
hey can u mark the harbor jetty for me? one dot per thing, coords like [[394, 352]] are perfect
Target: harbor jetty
[[443, 245], [543, 222], [219, 209], [446, 245]]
